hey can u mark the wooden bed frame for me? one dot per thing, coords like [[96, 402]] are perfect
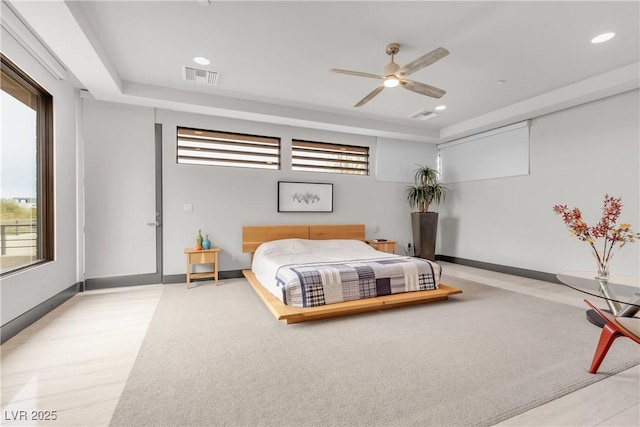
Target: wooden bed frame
[[253, 236]]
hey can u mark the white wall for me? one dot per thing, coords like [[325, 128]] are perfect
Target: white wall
[[397, 160], [28, 288], [226, 198], [577, 155]]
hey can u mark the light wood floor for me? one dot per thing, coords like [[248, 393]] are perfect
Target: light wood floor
[[76, 360]]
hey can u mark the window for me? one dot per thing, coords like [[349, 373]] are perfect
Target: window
[[333, 158], [204, 147], [26, 181]]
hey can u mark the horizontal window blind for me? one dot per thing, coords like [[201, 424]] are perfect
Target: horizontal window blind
[[332, 158], [213, 148]]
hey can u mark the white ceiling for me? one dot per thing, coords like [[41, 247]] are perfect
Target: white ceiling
[[273, 58]]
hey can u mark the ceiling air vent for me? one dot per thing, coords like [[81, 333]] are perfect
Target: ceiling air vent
[[199, 75], [423, 115]]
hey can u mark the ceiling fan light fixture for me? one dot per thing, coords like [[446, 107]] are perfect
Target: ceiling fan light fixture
[[391, 81]]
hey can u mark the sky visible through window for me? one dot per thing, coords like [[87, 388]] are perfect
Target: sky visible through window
[[17, 149]]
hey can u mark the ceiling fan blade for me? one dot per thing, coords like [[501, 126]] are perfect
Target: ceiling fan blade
[[356, 73], [423, 61], [370, 96], [422, 88]]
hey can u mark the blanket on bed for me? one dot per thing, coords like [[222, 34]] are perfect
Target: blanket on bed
[[315, 284]]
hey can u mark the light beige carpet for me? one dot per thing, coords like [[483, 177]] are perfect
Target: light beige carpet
[[215, 356]]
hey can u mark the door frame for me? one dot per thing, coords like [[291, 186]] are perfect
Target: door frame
[[158, 151]]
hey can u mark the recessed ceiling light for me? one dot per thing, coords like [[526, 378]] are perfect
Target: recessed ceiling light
[[201, 60], [440, 107], [602, 38], [500, 82]]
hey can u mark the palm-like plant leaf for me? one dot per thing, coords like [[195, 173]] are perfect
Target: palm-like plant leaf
[[426, 190], [426, 176], [416, 195]]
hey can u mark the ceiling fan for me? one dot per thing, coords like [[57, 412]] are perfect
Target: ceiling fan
[[394, 76]]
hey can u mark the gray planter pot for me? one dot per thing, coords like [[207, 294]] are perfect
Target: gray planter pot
[[425, 227]]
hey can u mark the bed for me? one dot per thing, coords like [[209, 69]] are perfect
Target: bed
[[292, 252]]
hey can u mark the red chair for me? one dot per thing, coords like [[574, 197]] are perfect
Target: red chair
[[613, 328]]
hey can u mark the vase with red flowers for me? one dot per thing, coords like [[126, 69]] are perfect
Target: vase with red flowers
[[603, 237]]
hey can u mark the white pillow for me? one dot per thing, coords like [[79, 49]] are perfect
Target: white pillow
[[284, 246], [290, 246], [335, 244]]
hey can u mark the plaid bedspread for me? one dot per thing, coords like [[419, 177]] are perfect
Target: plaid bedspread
[[311, 285]]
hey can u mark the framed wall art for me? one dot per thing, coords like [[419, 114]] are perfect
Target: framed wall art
[[305, 197]]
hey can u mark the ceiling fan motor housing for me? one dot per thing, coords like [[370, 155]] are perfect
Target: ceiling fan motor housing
[[391, 69]]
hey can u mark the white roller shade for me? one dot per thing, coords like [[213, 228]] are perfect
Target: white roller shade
[[497, 153]]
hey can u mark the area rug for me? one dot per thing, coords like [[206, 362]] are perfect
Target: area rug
[[215, 356]]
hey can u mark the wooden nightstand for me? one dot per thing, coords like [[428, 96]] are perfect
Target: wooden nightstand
[[203, 256], [386, 246]]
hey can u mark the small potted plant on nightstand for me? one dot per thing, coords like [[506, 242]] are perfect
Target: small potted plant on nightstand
[[424, 224]]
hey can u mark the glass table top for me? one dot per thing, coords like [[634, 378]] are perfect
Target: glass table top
[[622, 293]]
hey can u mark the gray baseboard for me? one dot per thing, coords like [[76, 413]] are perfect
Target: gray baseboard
[[121, 281], [149, 279], [182, 278], [11, 328], [515, 271]]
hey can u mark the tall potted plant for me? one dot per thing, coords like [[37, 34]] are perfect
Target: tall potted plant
[[424, 224]]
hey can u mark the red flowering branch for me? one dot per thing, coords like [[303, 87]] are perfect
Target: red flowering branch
[[605, 229]]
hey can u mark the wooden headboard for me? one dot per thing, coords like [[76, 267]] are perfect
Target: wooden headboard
[[254, 235]]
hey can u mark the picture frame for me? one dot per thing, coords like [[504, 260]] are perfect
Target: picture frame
[[305, 197]]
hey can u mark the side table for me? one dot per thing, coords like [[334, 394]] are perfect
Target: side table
[[383, 245], [203, 256]]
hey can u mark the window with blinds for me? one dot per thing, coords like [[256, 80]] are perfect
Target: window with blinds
[[332, 158], [205, 147]]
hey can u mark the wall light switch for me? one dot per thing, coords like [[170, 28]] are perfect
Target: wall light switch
[[187, 207]]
